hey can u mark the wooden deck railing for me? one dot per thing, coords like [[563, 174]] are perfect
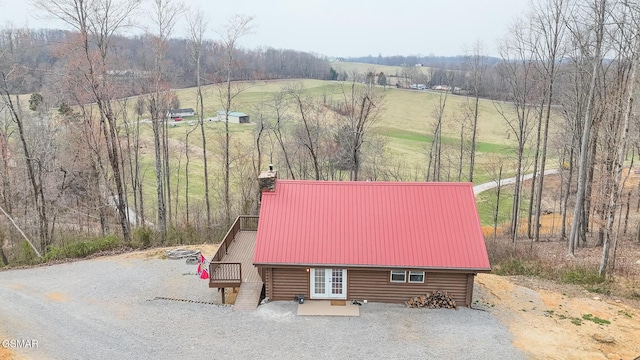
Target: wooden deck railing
[[242, 223], [248, 222], [226, 274], [223, 274]]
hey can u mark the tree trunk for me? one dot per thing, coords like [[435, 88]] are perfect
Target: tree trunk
[[586, 131], [565, 198], [532, 194], [5, 261], [474, 134], [460, 158], [619, 163], [167, 167], [162, 213], [200, 100], [497, 209]]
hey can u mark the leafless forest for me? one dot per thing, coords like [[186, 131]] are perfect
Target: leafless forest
[[72, 102]]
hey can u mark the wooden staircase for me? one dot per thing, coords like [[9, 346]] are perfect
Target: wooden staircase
[[248, 296], [232, 265]]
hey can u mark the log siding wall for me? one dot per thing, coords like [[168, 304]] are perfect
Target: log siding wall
[[370, 284], [374, 285], [286, 283]]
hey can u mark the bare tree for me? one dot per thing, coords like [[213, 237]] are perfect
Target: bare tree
[[261, 131], [197, 28], [517, 73], [435, 151], [279, 107], [134, 163], [166, 13], [311, 115], [237, 26], [362, 106], [96, 22], [7, 69], [477, 65], [495, 170], [187, 153], [629, 49], [599, 11], [549, 23]]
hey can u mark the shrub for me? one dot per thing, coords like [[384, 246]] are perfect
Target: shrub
[[605, 290], [26, 255], [180, 235], [142, 237], [517, 267], [582, 276], [81, 249]]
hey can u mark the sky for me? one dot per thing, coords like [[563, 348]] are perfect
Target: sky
[[338, 28]]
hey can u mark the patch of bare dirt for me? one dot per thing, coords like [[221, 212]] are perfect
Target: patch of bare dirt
[[6, 354], [553, 321], [549, 320]]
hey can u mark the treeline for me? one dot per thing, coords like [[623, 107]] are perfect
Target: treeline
[[40, 52], [447, 62]]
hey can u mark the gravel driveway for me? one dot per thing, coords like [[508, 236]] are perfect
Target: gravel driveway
[[104, 309]]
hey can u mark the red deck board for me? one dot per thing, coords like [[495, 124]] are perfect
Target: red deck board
[[387, 224]]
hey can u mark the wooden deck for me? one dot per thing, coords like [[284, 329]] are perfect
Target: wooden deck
[[241, 251]]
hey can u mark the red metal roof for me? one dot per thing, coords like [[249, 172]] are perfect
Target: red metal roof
[[385, 224]]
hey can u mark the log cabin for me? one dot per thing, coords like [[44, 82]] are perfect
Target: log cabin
[[361, 240]]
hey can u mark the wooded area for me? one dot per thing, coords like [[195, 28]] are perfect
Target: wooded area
[[83, 124]]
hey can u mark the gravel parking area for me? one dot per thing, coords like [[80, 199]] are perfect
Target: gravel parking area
[[104, 309]]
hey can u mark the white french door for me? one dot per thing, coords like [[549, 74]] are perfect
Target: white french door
[[328, 283]]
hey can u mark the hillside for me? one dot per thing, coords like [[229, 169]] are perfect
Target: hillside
[[406, 124], [404, 129]]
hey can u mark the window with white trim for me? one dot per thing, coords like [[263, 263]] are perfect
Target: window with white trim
[[416, 276], [398, 276]]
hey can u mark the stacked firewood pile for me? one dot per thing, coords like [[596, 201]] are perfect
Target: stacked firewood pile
[[435, 300]]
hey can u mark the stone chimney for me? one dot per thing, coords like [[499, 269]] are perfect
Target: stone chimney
[[266, 183], [267, 180]]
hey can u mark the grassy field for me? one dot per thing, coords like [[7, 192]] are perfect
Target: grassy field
[[408, 114]]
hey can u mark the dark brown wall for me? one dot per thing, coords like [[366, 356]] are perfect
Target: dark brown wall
[[286, 283], [374, 285], [370, 284]]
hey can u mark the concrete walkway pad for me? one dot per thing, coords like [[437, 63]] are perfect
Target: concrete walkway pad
[[324, 308]]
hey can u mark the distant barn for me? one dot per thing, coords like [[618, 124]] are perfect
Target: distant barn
[[174, 113], [235, 117]]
